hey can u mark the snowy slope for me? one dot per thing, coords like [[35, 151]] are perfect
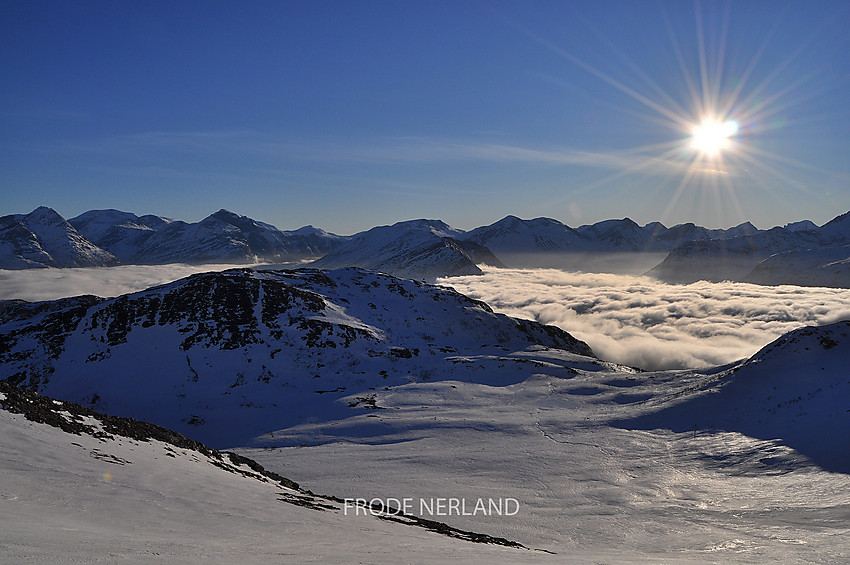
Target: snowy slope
[[795, 390], [309, 242], [801, 245], [120, 233], [621, 235], [511, 235], [43, 238], [416, 249], [540, 241], [741, 230], [611, 465], [221, 237], [730, 259], [837, 229], [82, 487], [802, 225], [210, 240], [226, 237], [823, 266], [227, 356]]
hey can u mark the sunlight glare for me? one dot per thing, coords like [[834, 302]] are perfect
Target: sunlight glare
[[713, 136]]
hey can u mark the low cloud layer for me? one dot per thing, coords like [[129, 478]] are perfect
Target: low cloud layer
[[49, 284], [626, 319], [644, 323]]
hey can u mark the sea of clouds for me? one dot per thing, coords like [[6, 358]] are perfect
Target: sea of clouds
[[49, 284], [627, 319], [644, 323]]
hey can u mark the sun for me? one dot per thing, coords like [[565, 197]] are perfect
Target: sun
[[712, 136]]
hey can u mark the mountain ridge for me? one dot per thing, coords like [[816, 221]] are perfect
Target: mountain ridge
[[427, 249]]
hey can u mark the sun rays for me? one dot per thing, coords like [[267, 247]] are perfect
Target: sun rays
[[724, 104]]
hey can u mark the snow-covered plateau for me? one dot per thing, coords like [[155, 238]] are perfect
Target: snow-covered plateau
[[358, 385]]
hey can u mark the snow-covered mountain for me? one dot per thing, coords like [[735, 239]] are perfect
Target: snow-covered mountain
[[538, 242], [106, 237], [309, 242], [420, 249], [802, 225], [514, 237], [80, 485], [219, 237], [821, 266], [511, 235], [428, 249], [626, 235], [784, 251], [620, 246], [541, 242], [120, 233], [222, 237], [796, 389], [43, 238], [837, 229], [417, 249], [227, 356], [621, 235], [719, 260]]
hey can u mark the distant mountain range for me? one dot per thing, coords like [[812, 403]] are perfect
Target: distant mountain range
[[794, 254], [418, 249], [222, 237], [799, 253]]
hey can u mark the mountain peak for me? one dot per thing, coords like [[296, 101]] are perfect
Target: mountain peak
[[310, 230], [422, 223], [419, 249], [43, 238], [510, 219], [802, 225], [43, 214], [227, 216]]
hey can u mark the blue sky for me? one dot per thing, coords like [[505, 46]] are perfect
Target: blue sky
[[347, 115]]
